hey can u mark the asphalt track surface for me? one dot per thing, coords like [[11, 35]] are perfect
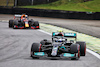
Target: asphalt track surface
[[90, 27], [15, 47]]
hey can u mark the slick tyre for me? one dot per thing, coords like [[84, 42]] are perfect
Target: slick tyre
[[36, 47], [75, 47], [31, 22], [11, 23], [15, 23], [82, 48], [36, 23]]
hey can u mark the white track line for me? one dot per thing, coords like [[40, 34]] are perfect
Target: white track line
[[44, 32], [4, 20], [93, 53]]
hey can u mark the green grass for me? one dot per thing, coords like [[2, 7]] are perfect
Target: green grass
[[70, 5], [4, 3]]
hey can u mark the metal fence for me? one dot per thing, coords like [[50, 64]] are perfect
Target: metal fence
[[33, 2], [23, 2], [6, 2], [26, 2]]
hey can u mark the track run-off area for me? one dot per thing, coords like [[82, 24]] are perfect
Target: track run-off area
[[15, 46]]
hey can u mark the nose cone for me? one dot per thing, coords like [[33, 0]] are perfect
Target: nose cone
[[26, 24]]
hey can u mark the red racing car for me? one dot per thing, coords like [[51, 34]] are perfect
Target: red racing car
[[22, 22]]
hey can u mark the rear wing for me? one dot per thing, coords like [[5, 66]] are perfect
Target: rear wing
[[54, 34], [19, 16], [70, 35], [61, 34]]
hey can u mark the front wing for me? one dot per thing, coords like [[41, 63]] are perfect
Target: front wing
[[63, 55], [23, 27]]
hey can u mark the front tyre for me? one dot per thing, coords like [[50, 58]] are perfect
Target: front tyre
[[36, 23], [82, 48], [36, 47], [75, 49], [15, 24], [11, 23]]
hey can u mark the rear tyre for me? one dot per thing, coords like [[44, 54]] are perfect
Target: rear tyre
[[11, 23], [35, 48], [82, 48]]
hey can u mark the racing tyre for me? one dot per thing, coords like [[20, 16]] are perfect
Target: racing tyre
[[31, 22], [10, 23], [36, 23], [15, 23], [75, 48], [36, 47], [82, 48]]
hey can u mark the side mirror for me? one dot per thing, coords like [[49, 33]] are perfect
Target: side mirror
[[71, 41]]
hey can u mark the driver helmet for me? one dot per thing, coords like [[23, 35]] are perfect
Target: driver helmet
[[23, 16]]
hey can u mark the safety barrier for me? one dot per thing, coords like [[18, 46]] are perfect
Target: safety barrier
[[52, 13]]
